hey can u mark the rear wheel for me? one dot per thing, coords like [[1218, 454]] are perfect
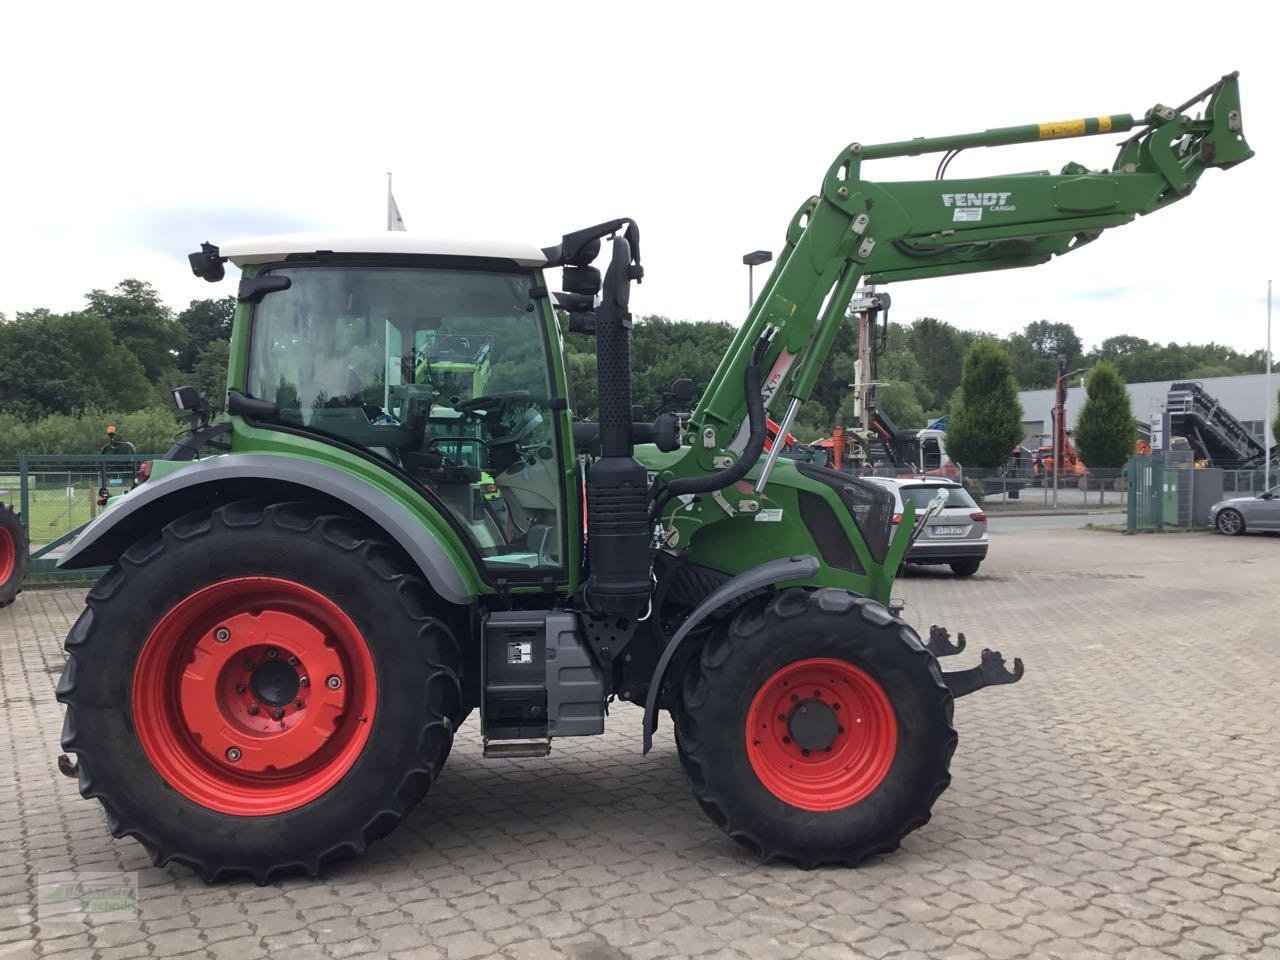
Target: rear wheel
[[1230, 522], [965, 568], [259, 690], [816, 729], [13, 555]]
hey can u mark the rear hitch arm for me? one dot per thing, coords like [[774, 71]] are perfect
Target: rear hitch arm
[[989, 672]]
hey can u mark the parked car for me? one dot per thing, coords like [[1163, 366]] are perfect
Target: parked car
[[1246, 514], [957, 536]]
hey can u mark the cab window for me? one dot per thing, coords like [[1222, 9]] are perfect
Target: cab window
[[442, 372]]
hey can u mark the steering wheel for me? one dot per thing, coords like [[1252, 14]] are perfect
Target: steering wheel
[[489, 399]]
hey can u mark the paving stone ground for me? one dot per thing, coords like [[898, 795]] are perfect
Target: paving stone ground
[[1122, 801]]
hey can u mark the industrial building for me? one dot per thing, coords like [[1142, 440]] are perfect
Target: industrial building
[[1244, 397]]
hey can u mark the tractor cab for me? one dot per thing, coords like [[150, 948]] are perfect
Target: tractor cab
[[433, 358]]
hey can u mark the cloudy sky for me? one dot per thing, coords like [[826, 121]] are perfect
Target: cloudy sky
[[135, 131]]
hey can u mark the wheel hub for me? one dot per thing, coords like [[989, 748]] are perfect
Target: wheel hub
[[224, 703], [813, 725], [821, 734], [275, 683]]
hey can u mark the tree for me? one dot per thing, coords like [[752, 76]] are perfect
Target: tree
[[63, 363], [986, 420], [1105, 431], [141, 323], [204, 321], [939, 348], [209, 372]]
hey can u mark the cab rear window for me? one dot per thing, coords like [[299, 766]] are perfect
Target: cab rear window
[[920, 496]]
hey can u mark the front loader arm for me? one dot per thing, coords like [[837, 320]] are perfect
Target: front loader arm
[[880, 232]]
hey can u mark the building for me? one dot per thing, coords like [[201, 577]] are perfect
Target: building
[[1245, 397]]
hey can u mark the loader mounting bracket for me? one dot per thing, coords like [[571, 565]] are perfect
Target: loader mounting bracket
[[989, 672]]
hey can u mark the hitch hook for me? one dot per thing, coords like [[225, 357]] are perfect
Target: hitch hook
[[989, 672], [68, 767]]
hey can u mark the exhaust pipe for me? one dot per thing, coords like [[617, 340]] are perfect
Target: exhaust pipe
[[618, 536]]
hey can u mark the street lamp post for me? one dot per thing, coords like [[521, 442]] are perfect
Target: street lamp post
[[753, 260], [1060, 422], [1268, 435]]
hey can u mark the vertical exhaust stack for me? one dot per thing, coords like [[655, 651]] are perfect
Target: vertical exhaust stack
[[618, 534]]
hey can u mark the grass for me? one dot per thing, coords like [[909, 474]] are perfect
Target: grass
[[59, 502]]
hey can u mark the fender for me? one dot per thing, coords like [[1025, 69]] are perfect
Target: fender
[[107, 537], [766, 574]]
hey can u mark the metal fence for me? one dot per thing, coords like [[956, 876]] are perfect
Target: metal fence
[[1010, 491], [57, 495]]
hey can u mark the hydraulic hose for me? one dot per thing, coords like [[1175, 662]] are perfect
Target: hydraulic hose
[[750, 453]]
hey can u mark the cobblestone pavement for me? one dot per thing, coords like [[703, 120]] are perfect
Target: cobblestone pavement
[[1123, 801]]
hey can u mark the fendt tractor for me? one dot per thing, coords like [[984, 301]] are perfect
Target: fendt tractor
[[273, 671]]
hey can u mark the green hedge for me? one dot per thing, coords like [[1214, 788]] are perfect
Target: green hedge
[[149, 429]]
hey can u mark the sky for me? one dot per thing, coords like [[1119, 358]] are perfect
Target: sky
[[135, 131]]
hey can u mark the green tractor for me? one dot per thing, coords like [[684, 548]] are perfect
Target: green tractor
[[272, 673]]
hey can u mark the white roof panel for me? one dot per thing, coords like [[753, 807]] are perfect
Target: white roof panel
[[273, 248]]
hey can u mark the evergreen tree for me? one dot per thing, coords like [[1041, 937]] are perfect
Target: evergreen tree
[[986, 419], [1105, 432]]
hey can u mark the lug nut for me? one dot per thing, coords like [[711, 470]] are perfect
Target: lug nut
[[298, 704], [293, 661], [277, 713], [253, 709], [241, 688], [233, 754], [334, 682], [304, 681], [222, 635], [272, 653]]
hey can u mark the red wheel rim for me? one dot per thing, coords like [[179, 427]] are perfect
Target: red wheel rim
[[254, 696], [821, 734], [8, 555]]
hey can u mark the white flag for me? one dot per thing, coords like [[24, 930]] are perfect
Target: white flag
[[394, 220]]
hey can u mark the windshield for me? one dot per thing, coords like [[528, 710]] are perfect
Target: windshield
[[442, 372], [920, 496]]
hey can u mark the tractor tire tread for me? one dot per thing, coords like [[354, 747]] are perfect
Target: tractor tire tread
[[440, 648], [784, 606]]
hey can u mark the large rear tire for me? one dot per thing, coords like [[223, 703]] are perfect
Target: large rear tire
[[259, 690], [13, 555], [816, 728]]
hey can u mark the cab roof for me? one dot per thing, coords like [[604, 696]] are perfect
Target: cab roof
[[271, 249]]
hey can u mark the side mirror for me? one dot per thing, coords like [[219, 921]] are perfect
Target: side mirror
[[681, 391], [188, 398]]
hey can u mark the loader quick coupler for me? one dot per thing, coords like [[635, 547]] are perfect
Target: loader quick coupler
[[989, 672]]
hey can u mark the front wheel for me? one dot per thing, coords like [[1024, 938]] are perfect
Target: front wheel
[[1230, 522], [259, 690], [816, 728]]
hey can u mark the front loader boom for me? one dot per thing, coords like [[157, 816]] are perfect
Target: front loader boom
[[860, 230]]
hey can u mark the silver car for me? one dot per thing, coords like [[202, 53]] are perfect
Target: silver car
[[957, 536], [1240, 514]]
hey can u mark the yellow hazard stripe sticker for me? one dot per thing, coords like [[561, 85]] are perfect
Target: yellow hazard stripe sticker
[[1061, 128], [1104, 124]]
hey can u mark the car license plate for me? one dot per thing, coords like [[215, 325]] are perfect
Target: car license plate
[[947, 531]]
